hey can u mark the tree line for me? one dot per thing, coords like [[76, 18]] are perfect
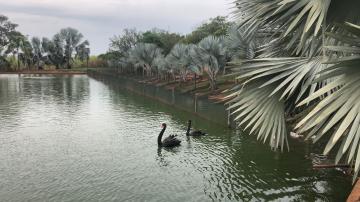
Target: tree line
[[164, 54], [17, 51]]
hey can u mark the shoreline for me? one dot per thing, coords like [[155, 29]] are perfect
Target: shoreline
[[60, 72]]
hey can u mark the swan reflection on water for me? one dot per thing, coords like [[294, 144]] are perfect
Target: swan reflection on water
[[162, 158]]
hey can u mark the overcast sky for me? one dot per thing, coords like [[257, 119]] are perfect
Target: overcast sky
[[98, 20]]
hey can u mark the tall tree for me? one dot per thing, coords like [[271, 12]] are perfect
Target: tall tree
[[120, 46], [37, 51], [124, 42], [72, 38], [54, 50], [17, 43], [7, 28], [26, 56]]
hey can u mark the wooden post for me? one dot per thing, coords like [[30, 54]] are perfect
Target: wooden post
[[195, 81]]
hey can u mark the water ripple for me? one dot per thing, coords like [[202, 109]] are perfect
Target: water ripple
[[74, 138]]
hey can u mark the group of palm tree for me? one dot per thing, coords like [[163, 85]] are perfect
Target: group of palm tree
[[208, 56], [293, 60], [60, 51]]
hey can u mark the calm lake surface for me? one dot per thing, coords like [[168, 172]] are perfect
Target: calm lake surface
[[74, 138]]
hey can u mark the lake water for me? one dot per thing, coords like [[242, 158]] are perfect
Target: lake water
[[75, 138]]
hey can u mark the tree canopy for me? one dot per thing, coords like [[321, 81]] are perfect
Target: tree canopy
[[217, 26], [60, 51]]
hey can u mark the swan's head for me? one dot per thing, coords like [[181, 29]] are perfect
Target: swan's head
[[163, 125], [189, 121]]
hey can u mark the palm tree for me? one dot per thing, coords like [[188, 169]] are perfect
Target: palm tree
[[15, 45], [162, 65], [143, 56], [54, 50], [239, 45], [293, 65], [210, 54], [72, 38], [180, 60], [338, 112]]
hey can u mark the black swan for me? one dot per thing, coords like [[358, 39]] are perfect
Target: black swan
[[194, 132], [170, 141]]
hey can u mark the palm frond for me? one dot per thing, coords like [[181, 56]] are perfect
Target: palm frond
[[143, 54], [255, 109], [339, 112], [291, 74], [302, 20]]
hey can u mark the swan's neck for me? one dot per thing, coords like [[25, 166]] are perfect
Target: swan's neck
[[160, 136], [188, 130]]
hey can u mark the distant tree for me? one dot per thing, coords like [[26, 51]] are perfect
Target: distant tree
[[123, 43], [217, 26], [26, 56], [7, 29], [37, 51], [54, 50], [163, 39], [72, 38], [16, 44], [83, 52], [169, 40], [152, 37], [62, 48]]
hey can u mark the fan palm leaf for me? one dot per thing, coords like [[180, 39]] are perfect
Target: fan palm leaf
[[302, 20], [180, 60], [210, 54], [339, 112], [143, 55], [263, 114]]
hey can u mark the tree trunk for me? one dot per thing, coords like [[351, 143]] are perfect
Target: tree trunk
[[18, 61], [212, 85], [194, 81]]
